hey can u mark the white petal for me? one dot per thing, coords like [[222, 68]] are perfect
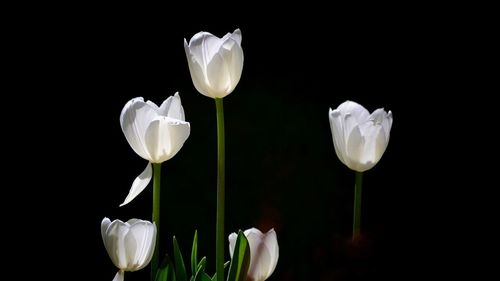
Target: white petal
[[150, 244], [237, 36], [233, 59], [131, 222], [153, 105], [172, 107], [139, 184], [104, 226], [115, 239], [380, 144], [204, 46], [197, 71], [260, 258], [232, 243], [134, 120], [271, 242], [336, 126], [139, 241], [356, 110], [131, 250], [218, 77], [119, 276], [355, 149], [165, 137], [387, 124]]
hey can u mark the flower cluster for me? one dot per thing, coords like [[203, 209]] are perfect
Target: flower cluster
[[157, 133]]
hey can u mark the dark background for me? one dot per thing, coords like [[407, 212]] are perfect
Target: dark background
[[281, 167]]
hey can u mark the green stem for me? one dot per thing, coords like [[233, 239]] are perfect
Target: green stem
[[219, 241], [356, 224], [156, 217]]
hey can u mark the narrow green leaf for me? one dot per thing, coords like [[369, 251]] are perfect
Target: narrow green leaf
[[165, 271], [205, 277], [194, 254], [201, 269], [241, 259], [180, 269], [202, 264]]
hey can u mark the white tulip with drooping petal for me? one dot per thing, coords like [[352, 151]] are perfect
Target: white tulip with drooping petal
[[154, 133], [264, 252], [215, 63], [129, 244], [359, 138]]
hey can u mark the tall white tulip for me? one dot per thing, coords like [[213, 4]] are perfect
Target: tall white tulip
[[360, 138], [129, 244], [154, 133], [215, 63], [264, 252]]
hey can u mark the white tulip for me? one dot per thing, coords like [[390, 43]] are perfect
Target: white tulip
[[129, 244], [215, 63], [264, 252], [359, 138], [154, 133]]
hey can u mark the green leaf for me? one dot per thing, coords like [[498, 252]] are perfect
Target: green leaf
[[180, 269], [194, 254], [205, 277], [241, 259], [165, 271], [201, 269]]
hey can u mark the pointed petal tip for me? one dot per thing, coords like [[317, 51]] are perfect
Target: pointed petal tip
[[139, 184]]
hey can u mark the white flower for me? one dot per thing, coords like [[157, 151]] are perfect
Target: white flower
[[264, 252], [154, 133], [129, 244], [359, 138], [215, 63]]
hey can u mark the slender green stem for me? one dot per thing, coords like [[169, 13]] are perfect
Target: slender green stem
[[356, 223], [156, 217], [219, 241]]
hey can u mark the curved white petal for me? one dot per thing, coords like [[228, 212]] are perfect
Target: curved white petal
[[236, 36], [233, 58], [134, 120], [387, 125], [172, 107], [165, 137], [203, 46], [104, 226], [355, 147], [148, 255], [263, 249], [232, 243], [115, 241], [218, 76], [139, 184], [355, 109], [153, 105], [370, 135], [336, 126], [380, 145], [119, 276], [139, 241], [271, 242]]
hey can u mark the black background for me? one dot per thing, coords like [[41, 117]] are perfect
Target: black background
[[281, 167]]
